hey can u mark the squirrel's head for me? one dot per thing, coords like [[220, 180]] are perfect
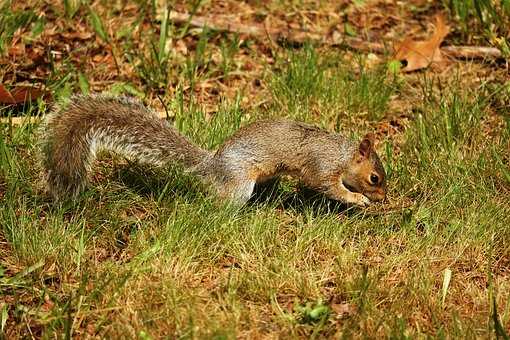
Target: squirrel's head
[[365, 173]]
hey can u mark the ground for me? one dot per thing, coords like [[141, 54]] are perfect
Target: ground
[[146, 252]]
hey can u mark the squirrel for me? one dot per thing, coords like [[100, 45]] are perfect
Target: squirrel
[[330, 163]]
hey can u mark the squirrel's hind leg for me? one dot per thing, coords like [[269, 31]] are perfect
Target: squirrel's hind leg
[[237, 190]]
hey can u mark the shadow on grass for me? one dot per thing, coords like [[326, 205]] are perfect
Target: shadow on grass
[[299, 200], [167, 184], [173, 182], [159, 183]]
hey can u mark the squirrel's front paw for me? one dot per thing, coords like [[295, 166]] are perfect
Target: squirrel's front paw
[[361, 200]]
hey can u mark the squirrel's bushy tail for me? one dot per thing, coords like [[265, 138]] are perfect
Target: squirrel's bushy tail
[[73, 133]]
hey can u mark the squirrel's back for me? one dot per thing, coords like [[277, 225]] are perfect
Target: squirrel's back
[[290, 145], [74, 132]]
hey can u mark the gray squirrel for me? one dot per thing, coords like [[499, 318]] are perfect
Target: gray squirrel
[[340, 168]]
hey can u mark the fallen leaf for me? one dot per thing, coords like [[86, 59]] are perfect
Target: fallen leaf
[[26, 94], [181, 47], [17, 50], [343, 310], [48, 304], [19, 95], [6, 96], [416, 55]]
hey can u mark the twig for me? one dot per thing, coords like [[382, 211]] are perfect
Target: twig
[[223, 24], [164, 105], [472, 52], [215, 24], [16, 121], [359, 44]]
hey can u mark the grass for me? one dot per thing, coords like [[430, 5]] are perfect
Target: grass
[[331, 86], [146, 253], [481, 20]]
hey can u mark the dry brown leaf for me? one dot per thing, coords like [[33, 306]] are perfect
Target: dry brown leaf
[[180, 47], [19, 95], [343, 310], [26, 94], [6, 96], [48, 304], [420, 54], [17, 50]]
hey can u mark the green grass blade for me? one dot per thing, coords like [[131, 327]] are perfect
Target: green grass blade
[[97, 25]]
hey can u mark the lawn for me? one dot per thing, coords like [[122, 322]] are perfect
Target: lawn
[[145, 252]]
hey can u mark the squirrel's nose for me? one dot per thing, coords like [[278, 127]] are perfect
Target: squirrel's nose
[[380, 195]]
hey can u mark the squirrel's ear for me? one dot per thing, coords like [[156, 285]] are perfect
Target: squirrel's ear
[[366, 145]]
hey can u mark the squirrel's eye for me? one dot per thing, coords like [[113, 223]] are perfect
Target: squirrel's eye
[[374, 179]]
